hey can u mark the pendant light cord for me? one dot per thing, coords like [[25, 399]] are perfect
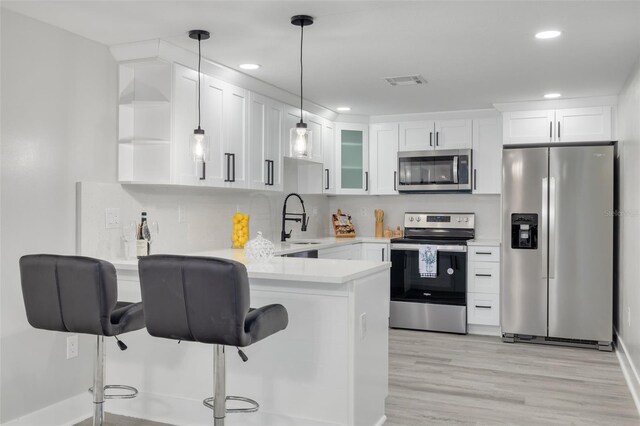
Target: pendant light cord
[[301, 69], [199, 60]]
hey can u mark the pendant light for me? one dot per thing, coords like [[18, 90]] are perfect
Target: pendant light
[[198, 143], [299, 136]]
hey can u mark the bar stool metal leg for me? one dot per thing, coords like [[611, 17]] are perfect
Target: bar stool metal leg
[[98, 383], [219, 386]]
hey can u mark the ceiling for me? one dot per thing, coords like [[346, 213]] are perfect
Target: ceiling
[[473, 54]]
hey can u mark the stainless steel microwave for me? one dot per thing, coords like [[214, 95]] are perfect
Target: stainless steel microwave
[[435, 171]]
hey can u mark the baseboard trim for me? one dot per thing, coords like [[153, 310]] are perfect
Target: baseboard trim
[[484, 330], [64, 413], [628, 370]]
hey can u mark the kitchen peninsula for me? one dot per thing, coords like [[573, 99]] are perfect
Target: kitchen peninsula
[[330, 366]]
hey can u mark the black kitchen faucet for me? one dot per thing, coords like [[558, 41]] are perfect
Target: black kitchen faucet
[[297, 217]]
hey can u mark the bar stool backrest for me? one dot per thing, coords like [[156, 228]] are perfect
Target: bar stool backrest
[[68, 293], [195, 298]]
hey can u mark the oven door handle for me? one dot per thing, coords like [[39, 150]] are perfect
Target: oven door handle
[[416, 247]]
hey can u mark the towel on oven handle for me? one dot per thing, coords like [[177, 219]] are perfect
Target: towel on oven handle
[[428, 261]]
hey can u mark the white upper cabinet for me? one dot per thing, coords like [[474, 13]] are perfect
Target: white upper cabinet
[[352, 158], [383, 158], [224, 119], [416, 136], [562, 125], [265, 143], [442, 134], [487, 156], [453, 134], [583, 124], [328, 155]]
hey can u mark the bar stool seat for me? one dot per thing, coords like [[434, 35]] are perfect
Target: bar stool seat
[[78, 294], [206, 300]]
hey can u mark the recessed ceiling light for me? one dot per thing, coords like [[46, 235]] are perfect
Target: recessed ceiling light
[[548, 34], [552, 95], [250, 66], [343, 108]]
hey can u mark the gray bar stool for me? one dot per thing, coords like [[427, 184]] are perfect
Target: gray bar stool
[[206, 300], [80, 295]]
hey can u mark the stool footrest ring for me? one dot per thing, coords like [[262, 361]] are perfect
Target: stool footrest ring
[[131, 392], [254, 405]]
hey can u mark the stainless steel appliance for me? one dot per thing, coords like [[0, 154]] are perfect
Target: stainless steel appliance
[[438, 303], [435, 171], [557, 239]]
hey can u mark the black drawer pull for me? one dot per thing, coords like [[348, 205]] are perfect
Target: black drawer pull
[[327, 172], [483, 307], [483, 275], [484, 252]]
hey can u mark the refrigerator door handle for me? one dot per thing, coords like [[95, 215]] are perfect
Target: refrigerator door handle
[[552, 227], [545, 225]]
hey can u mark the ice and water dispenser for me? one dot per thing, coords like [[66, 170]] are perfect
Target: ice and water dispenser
[[524, 231]]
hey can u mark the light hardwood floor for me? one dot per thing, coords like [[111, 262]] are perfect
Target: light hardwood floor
[[444, 379]]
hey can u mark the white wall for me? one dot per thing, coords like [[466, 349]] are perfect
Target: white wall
[[207, 216], [486, 208], [58, 127], [629, 219]]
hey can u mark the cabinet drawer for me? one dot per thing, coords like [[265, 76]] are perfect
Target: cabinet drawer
[[484, 254], [483, 309], [484, 277]]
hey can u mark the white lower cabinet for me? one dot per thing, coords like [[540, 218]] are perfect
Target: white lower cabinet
[[375, 252], [483, 290]]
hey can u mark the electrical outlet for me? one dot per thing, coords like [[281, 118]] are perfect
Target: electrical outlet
[[363, 325], [182, 214], [363, 211], [629, 316], [112, 218], [72, 346]]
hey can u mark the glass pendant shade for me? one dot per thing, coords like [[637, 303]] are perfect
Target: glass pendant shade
[[300, 140], [199, 145]]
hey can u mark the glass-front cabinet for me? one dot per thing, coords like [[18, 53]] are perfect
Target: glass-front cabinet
[[352, 155]]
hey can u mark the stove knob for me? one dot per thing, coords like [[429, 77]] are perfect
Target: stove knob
[[466, 219], [459, 220], [418, 219], [411, 219]]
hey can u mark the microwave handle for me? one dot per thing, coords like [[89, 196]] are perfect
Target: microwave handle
[[455, 169]]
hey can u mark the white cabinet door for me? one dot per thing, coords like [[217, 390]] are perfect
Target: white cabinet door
[[583, 124], [453, 134], [185, 120], [235, 137], [344, 252], [352, 157], [416, 136], [375, 252], [487, 156], [259, 169], [328, 155], [383, 158], [316, 125], [275, 144], [523, 127]]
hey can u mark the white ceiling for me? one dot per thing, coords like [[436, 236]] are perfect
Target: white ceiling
[[472, 53]]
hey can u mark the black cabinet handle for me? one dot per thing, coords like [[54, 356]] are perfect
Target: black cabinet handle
[[437, 138], [231, 159], [558, 130], [430, 138], [326, 171], [228, 156], [366, 181], [483, 252], [483, 307], [483, 275], [550, 129], [383, 254], [475, 179], [267, 180], [395, 181], [273, 172]]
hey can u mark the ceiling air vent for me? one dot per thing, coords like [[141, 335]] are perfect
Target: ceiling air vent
[[407, 80]]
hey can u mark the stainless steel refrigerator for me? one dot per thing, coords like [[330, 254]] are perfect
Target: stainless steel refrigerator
[[557, 240]]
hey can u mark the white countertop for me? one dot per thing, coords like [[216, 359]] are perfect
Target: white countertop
[[335, 271], [483, 242]]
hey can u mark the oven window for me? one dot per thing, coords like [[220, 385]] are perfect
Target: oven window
[[427, 170], [448, 287]]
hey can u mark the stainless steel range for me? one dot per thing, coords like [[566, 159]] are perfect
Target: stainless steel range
[[437, 302]]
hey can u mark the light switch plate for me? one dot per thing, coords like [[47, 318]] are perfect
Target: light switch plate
[[112, 218], [72, 346]]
